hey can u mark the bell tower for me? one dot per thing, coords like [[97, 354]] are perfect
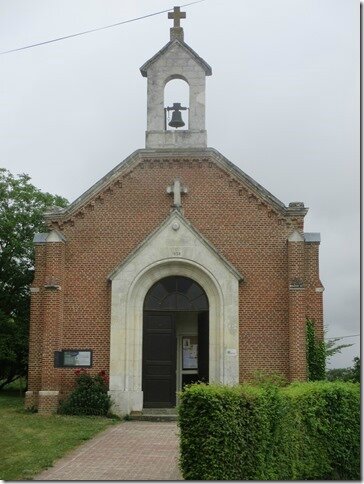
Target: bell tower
[[176, 60]]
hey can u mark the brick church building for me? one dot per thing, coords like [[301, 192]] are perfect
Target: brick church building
[[175, 267]]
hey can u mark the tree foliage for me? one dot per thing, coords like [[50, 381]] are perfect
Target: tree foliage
[[355, 373], [345, 374], [339, 374], [22, 206], [332, 350]]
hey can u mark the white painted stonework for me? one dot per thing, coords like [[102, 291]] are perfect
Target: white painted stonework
[[296, 237], [176, 139], [176, 63], [54, 236], [168, 252]]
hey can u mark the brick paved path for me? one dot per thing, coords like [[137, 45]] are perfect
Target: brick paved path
[[128, 451]]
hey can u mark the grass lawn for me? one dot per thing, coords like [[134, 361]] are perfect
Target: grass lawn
[[30, 442]]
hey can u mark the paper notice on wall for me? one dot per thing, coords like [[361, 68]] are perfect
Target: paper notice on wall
[[190, 353], [77, 358]]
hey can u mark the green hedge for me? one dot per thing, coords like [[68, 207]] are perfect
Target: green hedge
[[303, 431]]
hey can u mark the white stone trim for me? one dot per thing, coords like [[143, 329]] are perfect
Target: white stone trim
[[314, 237], [172, 221], [48, 393], [130, 285], [296, 237], [55, 236], [176, 62]]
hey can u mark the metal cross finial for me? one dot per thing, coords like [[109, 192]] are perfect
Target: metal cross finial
[[176, 15], [177, 189]]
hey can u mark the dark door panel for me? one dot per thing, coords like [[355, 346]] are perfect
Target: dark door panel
[[203, 346], [159, 360]]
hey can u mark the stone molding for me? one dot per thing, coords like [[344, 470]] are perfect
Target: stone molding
[[52, 236], [149, 155], [173, 138], [312, 237], [205, 66], [296, 237], [319, 289], [176, 218]]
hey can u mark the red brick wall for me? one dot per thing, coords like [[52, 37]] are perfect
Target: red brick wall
[[251, 234]]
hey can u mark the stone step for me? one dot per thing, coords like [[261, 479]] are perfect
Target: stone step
[[155, 415]]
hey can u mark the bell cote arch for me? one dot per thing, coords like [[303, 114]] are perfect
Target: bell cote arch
[[176, 60], [176, 90]]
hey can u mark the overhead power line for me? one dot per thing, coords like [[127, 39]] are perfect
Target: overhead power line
[[96, 29]]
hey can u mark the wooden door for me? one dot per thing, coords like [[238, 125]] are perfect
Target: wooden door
[[203, 346], [159, 360]]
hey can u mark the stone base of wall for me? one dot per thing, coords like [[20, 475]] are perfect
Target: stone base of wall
[[125, 402], [31, 399], [48, 401]]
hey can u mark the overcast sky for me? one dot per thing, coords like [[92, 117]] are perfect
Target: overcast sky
[[282, 104]]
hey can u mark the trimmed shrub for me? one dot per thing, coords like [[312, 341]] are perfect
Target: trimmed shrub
[[326, 421], [89, 397], [304, 431]]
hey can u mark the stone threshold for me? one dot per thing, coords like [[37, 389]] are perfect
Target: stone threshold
[[155, 415]]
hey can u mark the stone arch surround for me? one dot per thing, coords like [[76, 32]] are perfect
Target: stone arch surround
[[130, 284]]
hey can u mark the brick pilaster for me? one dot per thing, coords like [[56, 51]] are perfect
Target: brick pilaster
[[36, 328], [297, 307], [52, 321], [315, 288]]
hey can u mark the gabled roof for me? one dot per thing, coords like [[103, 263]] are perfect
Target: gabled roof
[[176, 214], [294, 210], [193, 54]]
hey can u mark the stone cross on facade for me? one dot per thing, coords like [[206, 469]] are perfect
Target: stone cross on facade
[[176, 15], [177, 189]]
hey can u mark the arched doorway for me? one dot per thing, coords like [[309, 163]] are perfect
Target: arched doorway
[[165, 253], [177, 90], [175, 339]]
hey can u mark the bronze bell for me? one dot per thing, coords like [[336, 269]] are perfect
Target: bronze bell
[[176, 121]]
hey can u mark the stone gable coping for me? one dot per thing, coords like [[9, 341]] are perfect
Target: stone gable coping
[[176, 213], [311, 237], [55, 236], [263, 192], [40, 238], [205, 66], [296, 236], [52, 236], [91, 192], [207, 154]]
